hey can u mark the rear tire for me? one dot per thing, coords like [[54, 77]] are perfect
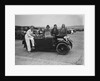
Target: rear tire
[[63, 48]]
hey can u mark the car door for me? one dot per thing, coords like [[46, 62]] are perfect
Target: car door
[[44, 44]]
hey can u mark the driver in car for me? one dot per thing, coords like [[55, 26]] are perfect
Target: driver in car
[[30, 36]]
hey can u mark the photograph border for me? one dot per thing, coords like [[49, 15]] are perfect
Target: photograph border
[[42, 67]]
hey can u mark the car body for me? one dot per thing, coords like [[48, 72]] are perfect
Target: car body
[[62, 45]]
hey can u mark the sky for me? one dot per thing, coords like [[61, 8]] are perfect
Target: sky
[[43, 20]]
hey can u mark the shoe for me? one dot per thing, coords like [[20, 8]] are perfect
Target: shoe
[[33, 47], [29, 52]]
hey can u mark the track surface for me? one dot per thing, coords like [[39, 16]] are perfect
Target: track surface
[[74, 57]]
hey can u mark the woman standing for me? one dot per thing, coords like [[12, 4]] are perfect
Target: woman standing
[[47, 31], [63, 31]]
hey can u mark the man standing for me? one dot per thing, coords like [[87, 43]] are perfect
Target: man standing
[[30, 36], [54, 31]]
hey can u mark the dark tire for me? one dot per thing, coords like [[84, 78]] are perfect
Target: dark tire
[[63, 48]]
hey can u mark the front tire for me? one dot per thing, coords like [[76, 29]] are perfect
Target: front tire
[[63, 48]]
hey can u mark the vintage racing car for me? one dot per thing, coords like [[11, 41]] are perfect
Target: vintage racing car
[[62, 45]]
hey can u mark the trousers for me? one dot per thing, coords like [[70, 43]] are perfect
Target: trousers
[[27, 39]]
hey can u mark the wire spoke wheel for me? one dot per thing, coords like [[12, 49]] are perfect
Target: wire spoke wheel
[[62, 48]]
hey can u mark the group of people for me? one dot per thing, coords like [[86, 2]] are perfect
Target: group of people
[[47, 32], [55, 31]]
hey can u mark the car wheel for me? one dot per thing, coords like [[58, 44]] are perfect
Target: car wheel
[[63, 48]]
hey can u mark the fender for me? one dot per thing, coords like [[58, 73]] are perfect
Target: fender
[[63, 41]]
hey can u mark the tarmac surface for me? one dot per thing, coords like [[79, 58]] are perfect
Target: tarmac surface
[[74, 57]]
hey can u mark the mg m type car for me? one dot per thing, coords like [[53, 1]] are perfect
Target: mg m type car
[[60, 44]]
